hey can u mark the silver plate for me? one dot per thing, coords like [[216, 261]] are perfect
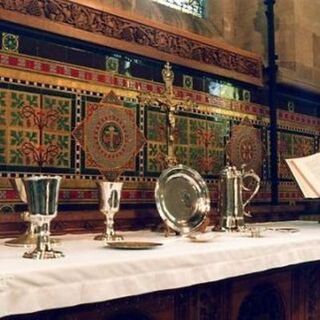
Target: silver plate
[[182, 198]]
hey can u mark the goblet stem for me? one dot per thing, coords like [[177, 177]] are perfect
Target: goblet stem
[[109, 225], [43, 243], [110, 234]]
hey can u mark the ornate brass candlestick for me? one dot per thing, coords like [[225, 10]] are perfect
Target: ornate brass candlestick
[[109, 203], [42, 196]]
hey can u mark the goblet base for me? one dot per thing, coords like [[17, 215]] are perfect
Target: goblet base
[[26, 240], [40, 255], [105, 237]]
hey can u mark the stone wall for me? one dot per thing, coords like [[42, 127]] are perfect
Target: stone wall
[[242, 23]]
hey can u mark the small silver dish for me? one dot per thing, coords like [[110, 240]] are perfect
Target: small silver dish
[[182, 198], [133, 245]]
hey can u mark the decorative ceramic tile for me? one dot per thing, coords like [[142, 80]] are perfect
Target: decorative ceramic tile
[[181, 131], [17, 129], [17, 137], [64, 107], [3, 108], [292, 145], [16, 100], [291, 106], [199, 142], [246, 95], [10, 42], [156, 157], [2, 146], [209, 137], [156, 126], [187, 82], [245, 147], [112, 64], [63, 141], [110, 136]]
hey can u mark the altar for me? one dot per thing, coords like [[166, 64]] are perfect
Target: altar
[[228, 266]]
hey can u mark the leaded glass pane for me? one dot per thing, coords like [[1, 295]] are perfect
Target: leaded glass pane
[[195, 7]]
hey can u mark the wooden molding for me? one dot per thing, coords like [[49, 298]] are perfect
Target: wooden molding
[[98, 24]]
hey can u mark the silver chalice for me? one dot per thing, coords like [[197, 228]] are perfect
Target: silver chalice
[[42, 197], [109, 203]]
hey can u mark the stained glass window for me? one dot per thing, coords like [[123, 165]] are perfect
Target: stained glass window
[[195, 7]]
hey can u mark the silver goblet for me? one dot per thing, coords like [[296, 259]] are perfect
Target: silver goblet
[[28, 238], [109, 203], [42, 197]]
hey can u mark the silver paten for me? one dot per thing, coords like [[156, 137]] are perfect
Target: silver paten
[[182, 198]]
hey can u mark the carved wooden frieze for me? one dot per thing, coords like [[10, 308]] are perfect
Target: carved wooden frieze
[[156, 40]]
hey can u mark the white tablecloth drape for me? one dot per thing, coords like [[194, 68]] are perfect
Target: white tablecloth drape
[[91, 272]]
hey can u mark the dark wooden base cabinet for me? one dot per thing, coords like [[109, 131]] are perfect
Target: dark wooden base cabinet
[[282, 294]]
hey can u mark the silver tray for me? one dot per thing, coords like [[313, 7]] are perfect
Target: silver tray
[[182, 198]]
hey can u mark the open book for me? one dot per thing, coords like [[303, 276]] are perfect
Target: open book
[[306, 171]]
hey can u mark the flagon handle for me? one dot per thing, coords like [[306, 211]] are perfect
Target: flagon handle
[[257, 179]]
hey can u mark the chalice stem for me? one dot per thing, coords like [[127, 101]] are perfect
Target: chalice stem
[[43, 240], [110, 234]]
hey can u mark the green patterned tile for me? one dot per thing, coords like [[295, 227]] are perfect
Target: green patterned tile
[[181, 130], [3, 108], [303, 146], [187, 82], [62, 160], [112, 64], [218, 161], [196, 155], [10, 42], [16, 101], [196, 126], [64, 108], [156, 126], [16, 139], [156, 157], [291, 145], [182, 154], [2, 146], [17, 129], [199, 142]]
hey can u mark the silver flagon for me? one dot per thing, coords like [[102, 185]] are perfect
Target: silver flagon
[[231, 204]]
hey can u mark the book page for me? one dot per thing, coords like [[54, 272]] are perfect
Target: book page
[[307, 191], [306, 171]]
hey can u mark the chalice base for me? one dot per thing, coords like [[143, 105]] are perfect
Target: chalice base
[[105, 237], [27, 239], [40, 255]]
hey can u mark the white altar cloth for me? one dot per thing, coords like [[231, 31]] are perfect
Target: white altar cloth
[[91, 272]]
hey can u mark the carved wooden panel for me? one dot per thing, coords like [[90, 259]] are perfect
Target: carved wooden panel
[[310, 281], [264, 296], [159, 41]]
